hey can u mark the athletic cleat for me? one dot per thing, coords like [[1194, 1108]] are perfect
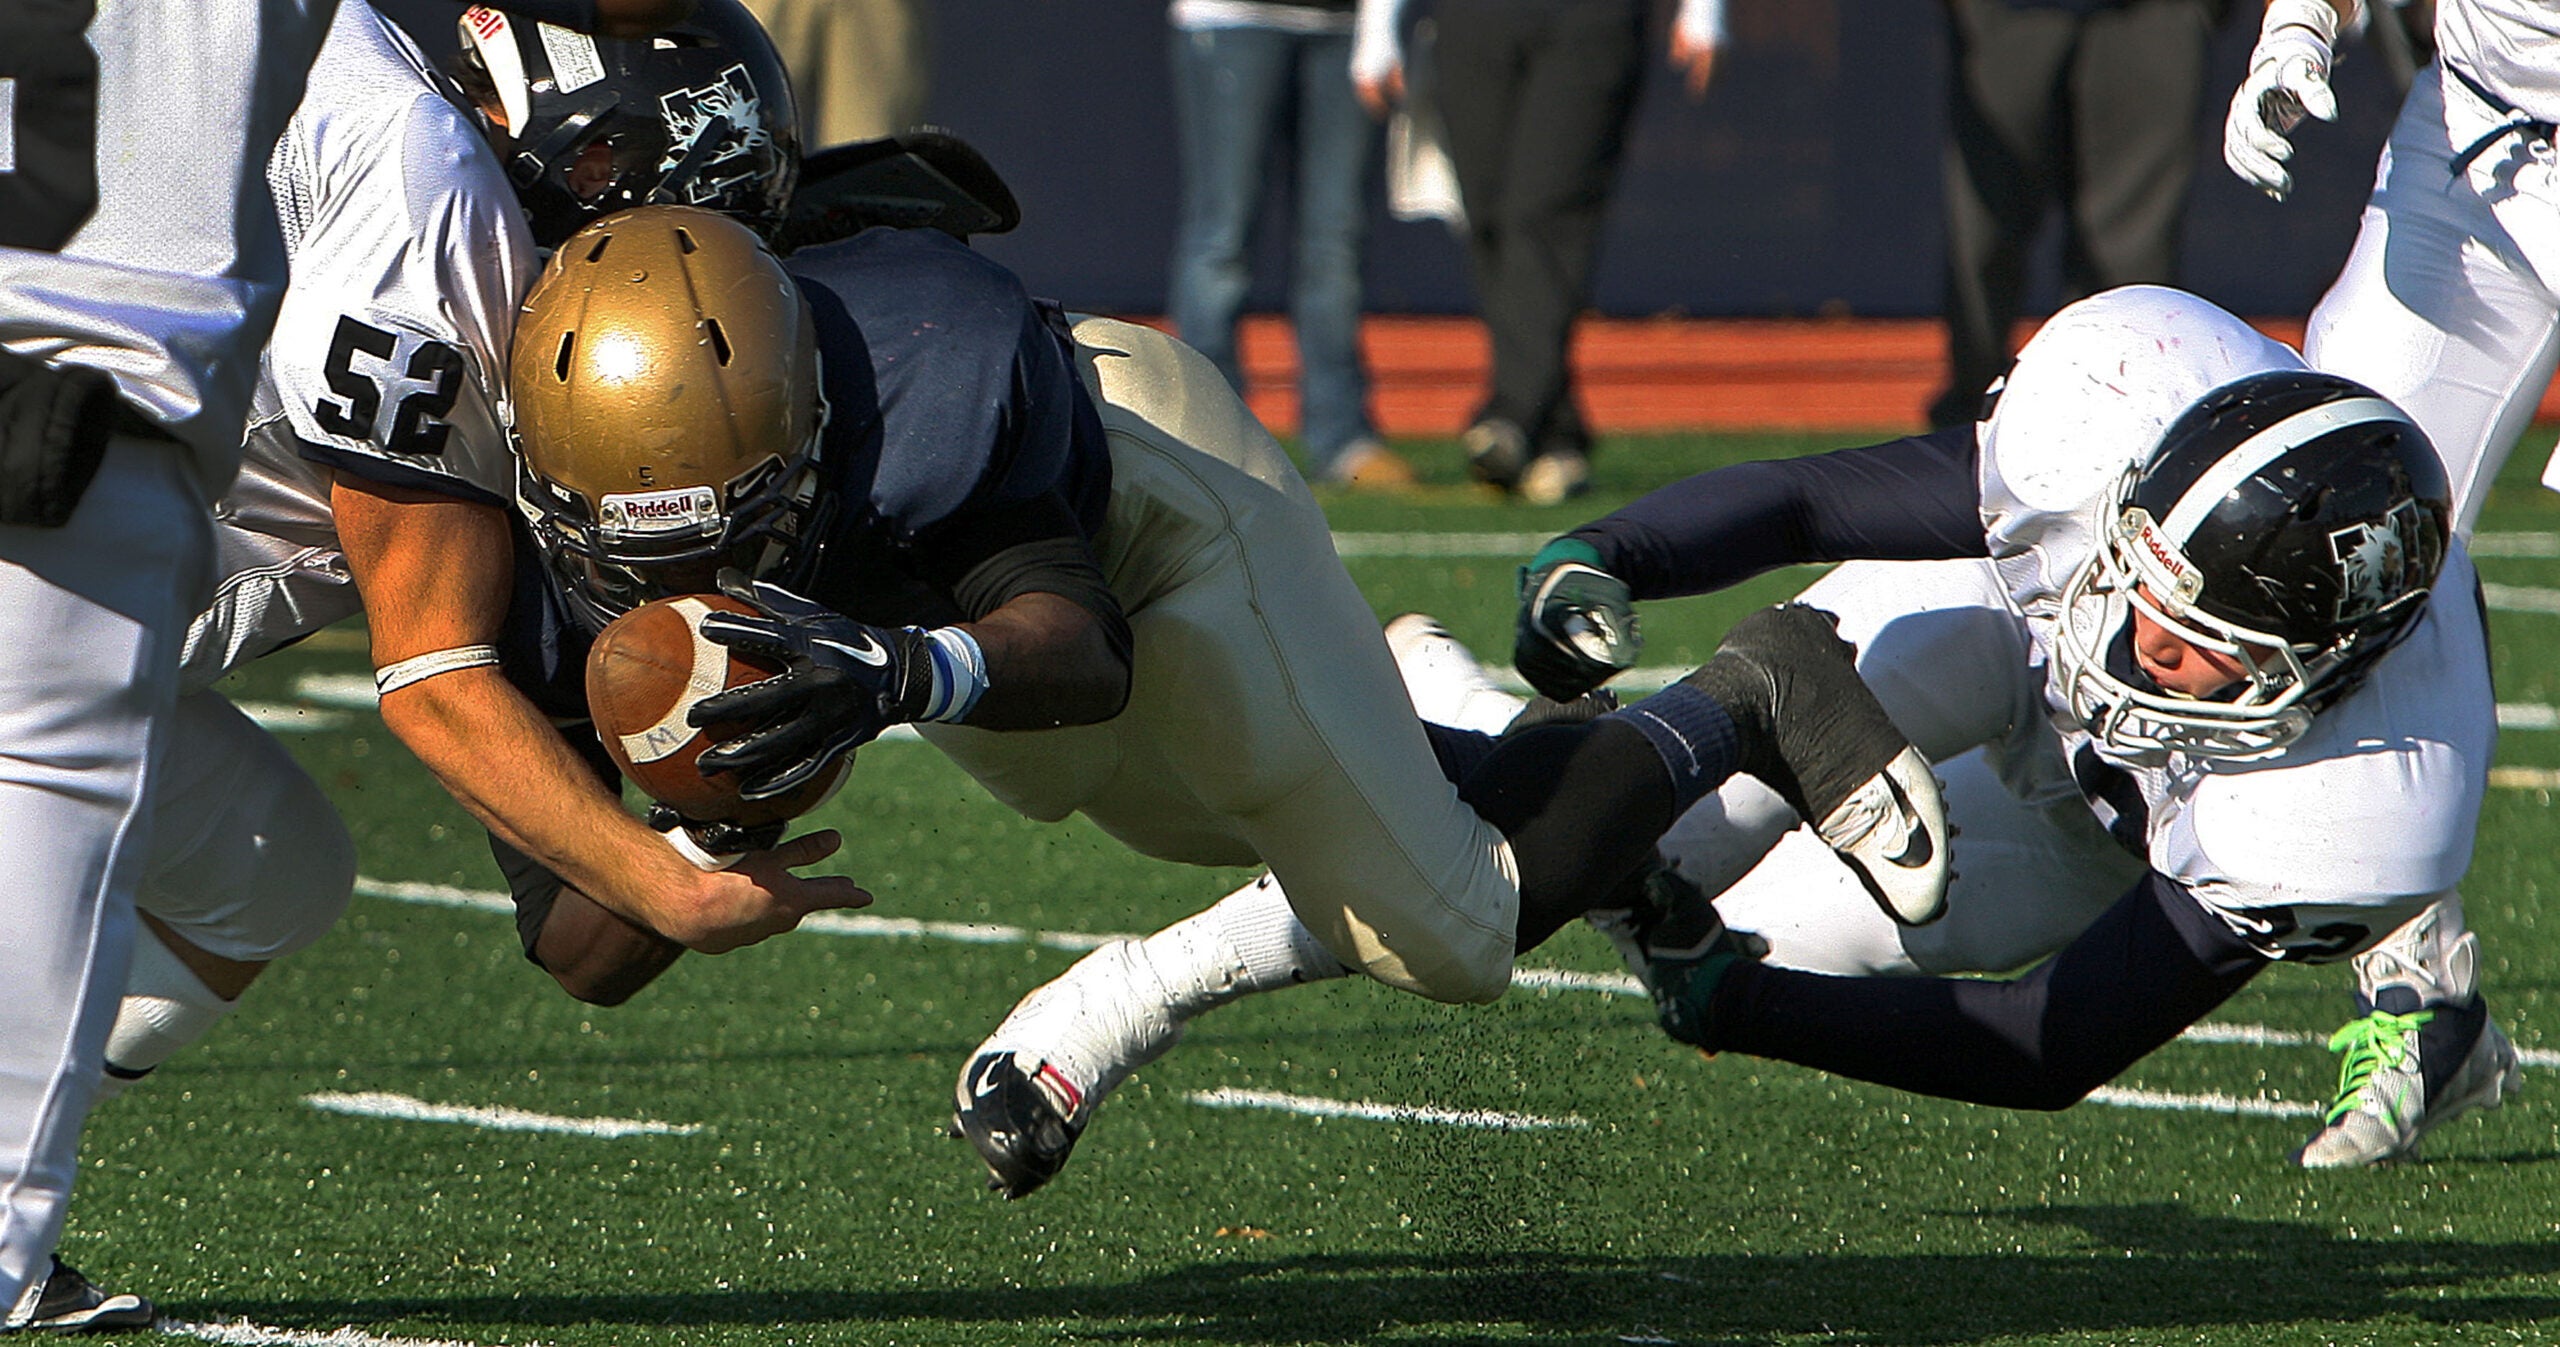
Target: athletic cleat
[[1030, 1090], [1679, 949], [1674, 923], [1447, 683], [2419, 1060], [1554, 477], [1497, 451], [66, 1302], [1816, 734]]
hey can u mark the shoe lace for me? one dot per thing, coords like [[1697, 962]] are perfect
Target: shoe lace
[[2380, 1041], [1868, 808]]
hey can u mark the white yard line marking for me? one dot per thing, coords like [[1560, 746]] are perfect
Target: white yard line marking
[[402, 1108], [1520, 546], [2516, 545], [1529, 979], [350, 692], [1566, 980], [242, 1333], [908, 928], [2520, 598], [288, 718], [1525, 545], [1311, 1106], [2203, 1103]]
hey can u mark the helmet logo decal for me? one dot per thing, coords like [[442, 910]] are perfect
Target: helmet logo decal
[[644, 514], [2373, 561], [689, 113]]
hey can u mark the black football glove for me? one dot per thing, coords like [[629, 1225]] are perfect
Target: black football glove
[[1577, 625], [842, 683]]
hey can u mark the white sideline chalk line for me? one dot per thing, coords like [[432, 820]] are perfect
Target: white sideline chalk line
[[242, 1333], [1314, 1107], [2122, 1097], [403, 1108]]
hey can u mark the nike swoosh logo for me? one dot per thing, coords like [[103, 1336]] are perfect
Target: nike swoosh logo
[[1916, 848], [870, 652], [987, 1081]]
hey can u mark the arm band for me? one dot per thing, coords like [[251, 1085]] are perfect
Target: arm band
[[399, 674], [681, 838], [959, 675]]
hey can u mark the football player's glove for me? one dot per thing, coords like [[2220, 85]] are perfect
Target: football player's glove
[[1577, 625], [2288, 79], [842, 683]]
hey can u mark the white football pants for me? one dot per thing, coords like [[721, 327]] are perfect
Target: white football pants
[[2447, 305], [93, 615], [2450, 306], [1948, 658]]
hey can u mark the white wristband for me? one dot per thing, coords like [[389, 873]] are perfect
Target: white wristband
[[681, 838], [959, 675], [399, 674]]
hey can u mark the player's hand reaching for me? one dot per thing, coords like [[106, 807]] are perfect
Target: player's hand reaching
[[1577, 625], [757, 896], [2288, 79], [843, 682]]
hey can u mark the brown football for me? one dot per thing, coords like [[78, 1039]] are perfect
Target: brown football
[[646, 671]]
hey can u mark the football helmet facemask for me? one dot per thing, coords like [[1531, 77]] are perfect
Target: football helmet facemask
[[666, 411], [699, 114], [2290, 519]]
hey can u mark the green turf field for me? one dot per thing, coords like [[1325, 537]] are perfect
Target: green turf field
[[803, 1193]]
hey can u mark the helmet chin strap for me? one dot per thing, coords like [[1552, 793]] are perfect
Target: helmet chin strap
[[525, 168]]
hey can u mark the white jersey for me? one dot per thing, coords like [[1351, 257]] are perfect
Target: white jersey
[[2375, 806], [389, 356], [2511, 47], [168, 283]]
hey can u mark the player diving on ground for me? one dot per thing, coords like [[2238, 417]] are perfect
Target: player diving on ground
[[2183, 624], [1064, 550]]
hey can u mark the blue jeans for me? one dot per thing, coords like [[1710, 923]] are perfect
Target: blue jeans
[[1232, 87]]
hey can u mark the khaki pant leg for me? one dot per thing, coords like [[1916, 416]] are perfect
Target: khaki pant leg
[[1266, 719], [859, 68]]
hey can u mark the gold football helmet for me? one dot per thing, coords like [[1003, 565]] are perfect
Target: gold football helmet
[[666, 409]]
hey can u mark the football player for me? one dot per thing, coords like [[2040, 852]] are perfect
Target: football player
[[374, 466], [139, 274], [1067, 553], [2446, 306], [2184, 626]]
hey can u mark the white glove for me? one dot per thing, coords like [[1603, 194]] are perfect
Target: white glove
[[2288, 77]]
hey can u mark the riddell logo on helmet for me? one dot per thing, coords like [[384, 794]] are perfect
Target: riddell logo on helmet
[[2167, 566], [486, 22], [681, 510]]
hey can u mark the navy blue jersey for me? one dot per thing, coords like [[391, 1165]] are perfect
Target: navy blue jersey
[[956, 424]]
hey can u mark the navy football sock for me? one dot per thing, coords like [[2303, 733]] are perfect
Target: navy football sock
[[1692, 734]]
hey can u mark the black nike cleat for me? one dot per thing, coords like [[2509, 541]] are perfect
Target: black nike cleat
[[1016, 1123], [66, 1302], [1816, 734]]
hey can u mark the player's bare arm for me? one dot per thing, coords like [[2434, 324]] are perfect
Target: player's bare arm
[[1050, 662], [434, 572]]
